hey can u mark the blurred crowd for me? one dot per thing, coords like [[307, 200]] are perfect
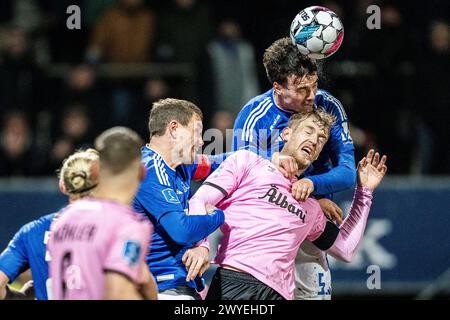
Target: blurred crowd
[[392, 81]]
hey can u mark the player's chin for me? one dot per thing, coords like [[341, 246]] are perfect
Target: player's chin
[[303, 161], [308, 108]]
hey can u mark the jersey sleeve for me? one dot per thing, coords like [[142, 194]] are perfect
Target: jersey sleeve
[[14, 259], [162, 206], [127, 251], [324, 232], [157, 196], [251, 133], [342, 174]]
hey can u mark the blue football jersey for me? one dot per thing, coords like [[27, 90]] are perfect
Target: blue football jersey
[[163, 197], [28, 250], [258, 128]]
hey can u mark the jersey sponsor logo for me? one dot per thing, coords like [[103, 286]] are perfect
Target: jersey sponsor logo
[[170, 196], [131, 251], [274, 196]]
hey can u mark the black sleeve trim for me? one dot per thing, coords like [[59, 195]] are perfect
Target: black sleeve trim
[[326, 240], [225, 194]]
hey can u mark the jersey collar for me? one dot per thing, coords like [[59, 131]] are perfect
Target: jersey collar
[[150, 150]]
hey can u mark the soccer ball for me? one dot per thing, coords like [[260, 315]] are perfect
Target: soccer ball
[[317, 32]]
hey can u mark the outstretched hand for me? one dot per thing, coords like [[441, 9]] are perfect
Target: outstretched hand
[[371, 170]]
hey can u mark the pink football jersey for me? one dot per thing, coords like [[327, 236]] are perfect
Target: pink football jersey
[[264, 225], [90, 238]]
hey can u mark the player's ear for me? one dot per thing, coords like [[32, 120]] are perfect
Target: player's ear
[[286, 134], [277, 88], [62, 187], [172, 128]]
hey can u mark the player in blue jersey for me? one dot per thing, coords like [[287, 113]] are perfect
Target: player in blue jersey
[[176, 256], [258, 127], [27, 250]]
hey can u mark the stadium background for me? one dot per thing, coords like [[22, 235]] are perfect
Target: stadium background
[[59, 88]]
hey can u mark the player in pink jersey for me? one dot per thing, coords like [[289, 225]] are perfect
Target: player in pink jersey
[[98, 245], [264, 225]]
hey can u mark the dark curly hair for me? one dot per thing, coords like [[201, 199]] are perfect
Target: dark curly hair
[[282, 59]]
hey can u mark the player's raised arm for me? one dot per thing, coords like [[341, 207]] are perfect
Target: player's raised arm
[[371, 170]]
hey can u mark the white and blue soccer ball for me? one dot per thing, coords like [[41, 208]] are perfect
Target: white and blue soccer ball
[[317, 32]]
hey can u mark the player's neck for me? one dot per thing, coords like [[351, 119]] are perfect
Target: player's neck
[[277, 100], [117, 190], [164, 149]]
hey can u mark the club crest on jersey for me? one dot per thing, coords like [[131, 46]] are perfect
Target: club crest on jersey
[[170, 196], [131, 252]]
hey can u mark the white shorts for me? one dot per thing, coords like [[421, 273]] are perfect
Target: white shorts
[[179, 294], [312, 274]]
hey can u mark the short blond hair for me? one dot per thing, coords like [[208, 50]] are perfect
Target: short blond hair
[[76, 172], [324, 119]]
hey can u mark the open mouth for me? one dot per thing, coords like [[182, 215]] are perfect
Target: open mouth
[[308, 150]]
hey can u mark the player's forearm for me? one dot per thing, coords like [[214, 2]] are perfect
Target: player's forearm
[[149, 290], [187, 229], [337, 179], [352, 229]]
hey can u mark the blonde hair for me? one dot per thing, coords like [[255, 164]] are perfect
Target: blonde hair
[[76, 172], [324, 119]]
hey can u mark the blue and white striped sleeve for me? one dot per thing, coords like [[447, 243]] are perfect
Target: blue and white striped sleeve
[[340, 146], [249, 131]]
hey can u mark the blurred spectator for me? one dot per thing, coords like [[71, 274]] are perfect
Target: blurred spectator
[[65, 45], [229, 77], [94, 9], [81, 87], [434, 101], [21, 82], [18, 156], [124, 34], [154, 89], [222, 121], [388, 100], [362, 140], [184, 30], [75, 132]]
